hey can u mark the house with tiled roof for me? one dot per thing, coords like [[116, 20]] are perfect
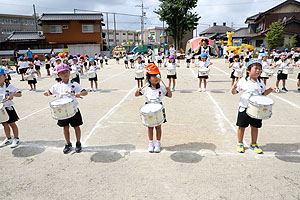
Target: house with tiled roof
[[63, 29], [216, 31], [288, 12]]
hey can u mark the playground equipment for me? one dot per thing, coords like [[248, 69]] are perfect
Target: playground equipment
[[237, 45]]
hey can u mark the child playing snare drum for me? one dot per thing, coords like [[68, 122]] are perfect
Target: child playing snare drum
[[203, 64], [139, 66], [67, 85], [250, 85], [31, 71], [93, 68], [154, 93], [8, 92], [171, 67], [236, 65]]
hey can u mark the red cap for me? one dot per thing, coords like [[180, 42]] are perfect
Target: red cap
[[152, 69]]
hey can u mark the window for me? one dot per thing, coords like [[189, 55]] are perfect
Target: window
[[118, 41], [130, 33], [88, 28], [65, 27], [124, 33], [117, 33], [110, 33], [258, 43], [28, 22], [124, 40], [259, 27], [110, 40], [55, 29]]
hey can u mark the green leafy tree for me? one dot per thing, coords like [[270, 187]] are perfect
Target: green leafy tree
[[275, 36], [179, 17], [294, 40]]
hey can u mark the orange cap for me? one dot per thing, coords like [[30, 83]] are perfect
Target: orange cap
[[152, 69], [36, 56]]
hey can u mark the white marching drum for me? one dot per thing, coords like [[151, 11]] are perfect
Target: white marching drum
[[288, 70], [91, 74], [139, 73], [72, 74], [62, 108], [260, 107], [238, 73], [204, 71], [171, 72], [28, 77], [152, 114], [266, 73], [3, 114]]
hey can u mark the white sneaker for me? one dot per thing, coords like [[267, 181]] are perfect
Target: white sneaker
[[6, 142], [151, 147], [91, 90], [173, 89], [96, 90], [157, 147], [199, 90], [204, 90], [15, 143]]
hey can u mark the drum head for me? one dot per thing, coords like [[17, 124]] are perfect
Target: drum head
[[61, 101], [261, 100], [151, 108]]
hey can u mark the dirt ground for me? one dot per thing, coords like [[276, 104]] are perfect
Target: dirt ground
[[198, 160]]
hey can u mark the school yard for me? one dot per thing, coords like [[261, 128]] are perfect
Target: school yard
[[198, 160]]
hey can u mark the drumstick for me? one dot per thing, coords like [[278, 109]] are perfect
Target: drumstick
[[158, 76], [147, 84], [4, 101], [73, 94]]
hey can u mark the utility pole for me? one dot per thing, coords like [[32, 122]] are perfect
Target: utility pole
[[115, 29], [36, 26], [107, 32], [142, 21]]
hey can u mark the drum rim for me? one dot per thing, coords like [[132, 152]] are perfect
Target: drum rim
[[255, 104], [162, 107]]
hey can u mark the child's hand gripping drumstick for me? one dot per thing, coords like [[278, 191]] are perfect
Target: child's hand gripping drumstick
[[74, 95]]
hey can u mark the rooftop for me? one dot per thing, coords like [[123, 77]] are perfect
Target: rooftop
[[22, 35], [71, 16]]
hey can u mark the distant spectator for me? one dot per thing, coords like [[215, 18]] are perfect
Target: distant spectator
[[16, 59], [29, 55]]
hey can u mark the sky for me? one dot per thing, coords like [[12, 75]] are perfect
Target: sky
[[233, 12]]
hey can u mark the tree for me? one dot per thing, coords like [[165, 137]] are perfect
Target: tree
[[294, 40], [275, 36], [178, 16]]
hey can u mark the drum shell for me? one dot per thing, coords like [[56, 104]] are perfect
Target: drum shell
[[63, 111], [238, 73], [28, 77], [267, 73], [152, 119], [259, 111], [203, 72], [288, 71], [3, 115], [171, 72], [139, 74], [72, 74], [91, 74]]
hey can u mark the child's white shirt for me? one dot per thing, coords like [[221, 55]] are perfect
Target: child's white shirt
[[139, 66], [23, 64], [266, 64], [5, 91], [93, 68], [249, 88], [236, 65], [154, 95], [62, 89], [37, 62], [172, 66], [31, 72], [282, 64], [202, 64]]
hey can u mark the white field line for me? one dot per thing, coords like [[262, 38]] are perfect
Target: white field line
[[107, 115]]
